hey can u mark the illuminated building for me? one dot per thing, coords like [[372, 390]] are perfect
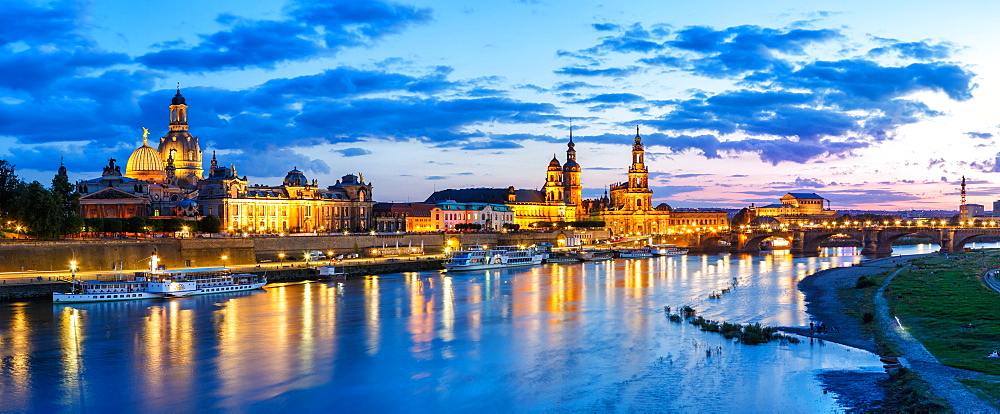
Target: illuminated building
[[630, 210], [412, 217], [296, 205], [557, 201], [796, 208]]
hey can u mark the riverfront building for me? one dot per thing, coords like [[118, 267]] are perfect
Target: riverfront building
[[629, 208], [170, 181], [796, 208]]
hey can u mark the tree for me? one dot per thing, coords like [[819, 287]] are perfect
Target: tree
[[113, 225], [69, 201], [94, 225], [171, 225], [8, 191], [72, 225], [135, 225], [38, 210], [210, 224]]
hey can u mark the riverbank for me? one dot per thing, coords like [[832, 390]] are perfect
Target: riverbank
[[833, 297]]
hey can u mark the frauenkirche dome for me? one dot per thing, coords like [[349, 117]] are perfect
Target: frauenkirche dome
[[145, 164]]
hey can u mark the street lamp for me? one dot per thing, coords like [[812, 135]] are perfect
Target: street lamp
[[72, 269], [281, 259], [224, 258]]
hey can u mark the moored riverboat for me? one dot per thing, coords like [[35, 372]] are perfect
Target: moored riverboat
[[667, 250], [156, 283], [636, 253], [481, 258], [594, 255]]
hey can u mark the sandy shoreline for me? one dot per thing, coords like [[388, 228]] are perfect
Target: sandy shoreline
[[823, 303]]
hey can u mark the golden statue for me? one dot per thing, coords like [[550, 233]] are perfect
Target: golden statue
[[145, 133]]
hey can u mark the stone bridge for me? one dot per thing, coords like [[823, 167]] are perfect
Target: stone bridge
[[874, 239]]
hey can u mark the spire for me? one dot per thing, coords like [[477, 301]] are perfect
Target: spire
[[215, 163], [638, 139]]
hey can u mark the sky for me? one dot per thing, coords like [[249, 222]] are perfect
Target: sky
[[873, 105]]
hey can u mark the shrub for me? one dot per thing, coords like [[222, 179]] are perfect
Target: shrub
[[863, 282], [867, 317]]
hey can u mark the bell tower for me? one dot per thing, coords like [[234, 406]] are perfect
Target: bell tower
[[571, 174], [554, 191]]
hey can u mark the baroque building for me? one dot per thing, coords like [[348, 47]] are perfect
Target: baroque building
[[178, 148], [795, 208], [629, 208], [297, 205], [558, 200]]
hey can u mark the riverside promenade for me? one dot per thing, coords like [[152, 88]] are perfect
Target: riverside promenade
[[28, 285]]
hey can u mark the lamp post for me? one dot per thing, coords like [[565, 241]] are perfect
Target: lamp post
[[224, 258], [281, 259], [72, 269]]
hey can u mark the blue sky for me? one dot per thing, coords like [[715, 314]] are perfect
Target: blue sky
[[880, 105]]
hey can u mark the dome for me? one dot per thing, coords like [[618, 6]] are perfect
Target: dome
[[145, 164], [571, 165], [296, 178], [554, 164], [178, 99]]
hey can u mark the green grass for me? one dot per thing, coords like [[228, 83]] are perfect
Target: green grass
[[988, 391], [858, 301], [938, 296]]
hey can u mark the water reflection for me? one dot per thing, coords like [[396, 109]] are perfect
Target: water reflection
[[580, 337]]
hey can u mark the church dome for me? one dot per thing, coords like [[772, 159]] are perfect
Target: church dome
[[178, 99], [571, 165], [554, 164], [296, 178], [145, 164]]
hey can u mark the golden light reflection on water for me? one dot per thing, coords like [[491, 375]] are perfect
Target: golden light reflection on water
[[71, 343], [372, 326], [15, 369]]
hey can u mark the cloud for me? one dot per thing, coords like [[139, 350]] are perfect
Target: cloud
[[353, 152], [608, 72], [787, 105], [913, 50], [605, 27], [979, 135], [313, 29], [436, 177], [613, 98]]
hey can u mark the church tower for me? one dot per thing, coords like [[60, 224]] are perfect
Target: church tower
[[571, 174], [634, 194], [180, 145], [554, 191]]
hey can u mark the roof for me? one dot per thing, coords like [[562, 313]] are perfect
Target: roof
[[111, 193], [806, 195], [486, 195]]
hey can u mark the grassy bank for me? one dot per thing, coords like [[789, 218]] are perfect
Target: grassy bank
[[858, 302], [942, 301]]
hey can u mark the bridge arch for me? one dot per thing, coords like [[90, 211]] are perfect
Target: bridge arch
[[812, 241], [961, 240], [753, 241]]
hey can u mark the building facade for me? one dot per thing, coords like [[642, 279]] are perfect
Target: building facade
[[491, 217], [295, 206], [409, 217], [628, 208], [796, 208]]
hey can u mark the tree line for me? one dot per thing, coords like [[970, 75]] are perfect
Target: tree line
[[32, 208]]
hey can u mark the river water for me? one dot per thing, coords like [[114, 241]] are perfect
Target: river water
[[558, 337]]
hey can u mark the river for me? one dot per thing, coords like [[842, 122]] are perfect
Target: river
[[557, 337]]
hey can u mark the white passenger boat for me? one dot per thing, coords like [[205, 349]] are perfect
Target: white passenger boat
[[635, 253], [667, 250], [481, 258], [161, 284]]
